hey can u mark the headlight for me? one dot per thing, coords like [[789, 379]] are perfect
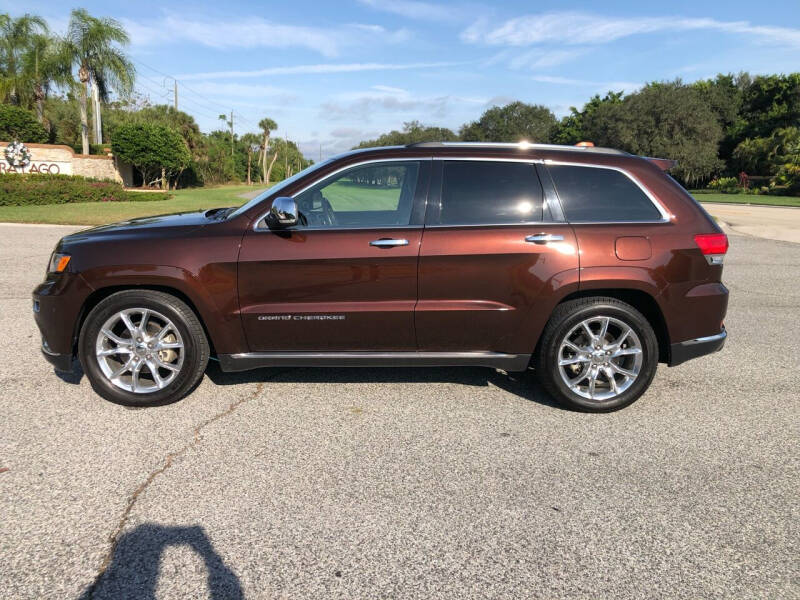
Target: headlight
[[58, 262]]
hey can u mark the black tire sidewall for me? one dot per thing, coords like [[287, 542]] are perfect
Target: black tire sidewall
[[180, 315], [628, 315]]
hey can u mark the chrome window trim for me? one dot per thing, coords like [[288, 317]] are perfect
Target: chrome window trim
[[336, 172], [666, 217]]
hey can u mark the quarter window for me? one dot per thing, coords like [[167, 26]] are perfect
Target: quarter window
[[374, 195], [489, 192], [591, 194]]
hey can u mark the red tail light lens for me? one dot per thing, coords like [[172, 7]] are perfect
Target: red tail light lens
[[712, 243]]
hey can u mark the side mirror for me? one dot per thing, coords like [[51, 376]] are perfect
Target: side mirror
[[283, 212]]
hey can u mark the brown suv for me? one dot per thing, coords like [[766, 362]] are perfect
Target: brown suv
[[591, 265]]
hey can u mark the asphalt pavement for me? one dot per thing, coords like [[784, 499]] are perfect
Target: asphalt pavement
[[427, 483]]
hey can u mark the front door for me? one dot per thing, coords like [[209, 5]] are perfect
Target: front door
[[492, 256], [345, 278]]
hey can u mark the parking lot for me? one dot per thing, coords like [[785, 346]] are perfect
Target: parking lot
[[458, 483]]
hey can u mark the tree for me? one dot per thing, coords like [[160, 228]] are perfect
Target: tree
[[152, 149], [19, 124], [572, 128], [667, 120], [413, 132], [16, 43], [92, 45], [511, 123], [267, 125]]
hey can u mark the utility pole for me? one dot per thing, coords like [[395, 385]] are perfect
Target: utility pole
[[175, 94], [231, 132]]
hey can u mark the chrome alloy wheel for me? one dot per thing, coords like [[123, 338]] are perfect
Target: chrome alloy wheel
[[139, 350], [600, 358]]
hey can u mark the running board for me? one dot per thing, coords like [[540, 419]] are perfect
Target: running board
[[255, 360]]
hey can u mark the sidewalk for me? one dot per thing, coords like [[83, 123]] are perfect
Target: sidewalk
[[770, 222]]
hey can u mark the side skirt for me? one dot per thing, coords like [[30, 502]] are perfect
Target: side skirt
[[255, 360]]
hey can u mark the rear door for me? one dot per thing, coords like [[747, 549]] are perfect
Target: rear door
[[345, 279], [493, 254]]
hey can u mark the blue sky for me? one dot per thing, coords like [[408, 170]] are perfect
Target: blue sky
[[334, 73]]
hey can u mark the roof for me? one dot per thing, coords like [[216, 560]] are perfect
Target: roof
[[519, 145]]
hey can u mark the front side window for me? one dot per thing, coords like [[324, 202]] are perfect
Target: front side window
[[490, 193], [374, 195], [598, 195]]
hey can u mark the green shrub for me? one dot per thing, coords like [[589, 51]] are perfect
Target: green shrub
[[19, 124], [725, 185], [34, 188]]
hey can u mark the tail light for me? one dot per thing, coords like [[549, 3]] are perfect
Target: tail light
[[713, 246]]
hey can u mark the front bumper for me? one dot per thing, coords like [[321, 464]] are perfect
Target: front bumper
[[61, 362], [683, 351], [57, 304]]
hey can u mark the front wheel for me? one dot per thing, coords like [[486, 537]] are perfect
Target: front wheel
[[142, 347], [597, 354]]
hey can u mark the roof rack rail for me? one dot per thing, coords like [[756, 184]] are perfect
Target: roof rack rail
[[520, 145]]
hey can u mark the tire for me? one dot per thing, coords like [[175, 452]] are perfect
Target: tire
[[176, 340], [566, 339]]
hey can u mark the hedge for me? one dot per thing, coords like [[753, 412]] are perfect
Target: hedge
[[17, 189]]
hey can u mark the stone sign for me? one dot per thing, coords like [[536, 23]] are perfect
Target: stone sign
[[61, 160]]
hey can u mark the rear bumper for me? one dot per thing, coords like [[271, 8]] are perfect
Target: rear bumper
[[683, 351]]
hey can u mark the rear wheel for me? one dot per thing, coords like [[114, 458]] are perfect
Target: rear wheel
[[597, 354], [143, 347]]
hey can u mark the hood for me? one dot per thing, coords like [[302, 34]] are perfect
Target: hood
[[143, 226]]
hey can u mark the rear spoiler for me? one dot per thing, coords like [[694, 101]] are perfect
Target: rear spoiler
[[665, 164]]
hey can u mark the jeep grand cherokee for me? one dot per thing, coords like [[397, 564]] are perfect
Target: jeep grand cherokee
[[589, 265]]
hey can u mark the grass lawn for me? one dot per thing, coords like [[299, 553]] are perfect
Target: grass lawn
[[345, 196], [99, 213], [749, 199]]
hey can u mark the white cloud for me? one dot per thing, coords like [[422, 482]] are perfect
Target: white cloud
[[599, 86], [254, 32], [539, 58], [413, 9], [576, 28], [316, 69], [362, 106]]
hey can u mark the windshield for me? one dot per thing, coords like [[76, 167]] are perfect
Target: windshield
[[277, 188]]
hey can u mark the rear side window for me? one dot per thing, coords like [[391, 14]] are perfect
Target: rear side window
[[486, 192], [591, 194]]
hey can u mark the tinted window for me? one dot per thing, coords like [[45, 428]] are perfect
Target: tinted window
[[593, 194], [475, 192], [375, 195]]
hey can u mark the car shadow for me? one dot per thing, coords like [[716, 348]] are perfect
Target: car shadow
[[134, 568], [525, 385], [72, 377]]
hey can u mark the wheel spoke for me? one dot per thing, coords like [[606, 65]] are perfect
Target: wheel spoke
[[113, 351], [167, 328], [609, 373], [114, 337], [126, 367], [626, 352], [592, 382], [169, 346], [153, 368], [604, 329], [622, 337], [589, 331], [137, 368], [128, 323], [166, 365], [573, 360], [143, 322], [621, 371]]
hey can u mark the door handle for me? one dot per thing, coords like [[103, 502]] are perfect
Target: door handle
[[543, 238], [388, 243]]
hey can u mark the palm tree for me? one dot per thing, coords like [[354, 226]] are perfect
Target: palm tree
[[266, 126], [16, 42], [44, 66], [92, 45]]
